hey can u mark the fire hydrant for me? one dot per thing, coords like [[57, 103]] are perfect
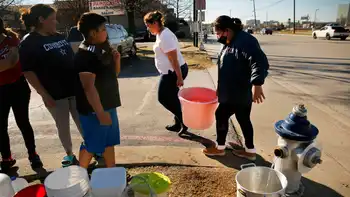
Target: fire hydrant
[[296, 152]]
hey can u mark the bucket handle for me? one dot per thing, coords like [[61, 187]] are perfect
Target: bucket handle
[[247, 165]]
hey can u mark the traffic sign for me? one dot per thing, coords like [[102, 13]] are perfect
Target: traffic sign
[[201, 4]]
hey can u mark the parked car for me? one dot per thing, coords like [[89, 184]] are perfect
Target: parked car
[[117, 36], [249, 31], [331, 31], [266, 31], [144, 35]]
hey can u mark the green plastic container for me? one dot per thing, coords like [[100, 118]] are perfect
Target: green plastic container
[[150, 184]]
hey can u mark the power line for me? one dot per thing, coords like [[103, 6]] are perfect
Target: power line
[[271, 5], [262, 8]]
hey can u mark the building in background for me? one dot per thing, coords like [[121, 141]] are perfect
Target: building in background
[[251, 23], [343, 16], [270, 23]]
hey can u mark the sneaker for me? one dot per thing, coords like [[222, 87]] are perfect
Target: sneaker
[[234, 145], [69, 160], [7, 164], [213, 151], [241, 151], [183, 130], [174, 127], [244, 154], [99, 159], [35, 161]]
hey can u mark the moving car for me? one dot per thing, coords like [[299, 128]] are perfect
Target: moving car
[[117, 35], [331, 31], [266, 31]]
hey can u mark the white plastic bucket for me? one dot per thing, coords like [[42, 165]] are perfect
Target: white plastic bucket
[[108, 182], [18, 184], [72, 181], [6, 189], [253, 181]]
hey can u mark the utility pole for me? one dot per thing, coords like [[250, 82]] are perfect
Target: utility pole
[[294, 17], [177, 9], [254, 14], [195, 24], [267, 19], [315, 17]]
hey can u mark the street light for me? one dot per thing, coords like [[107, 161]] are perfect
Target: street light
[[315, 17]]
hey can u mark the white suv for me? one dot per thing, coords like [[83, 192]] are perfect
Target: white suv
[[331, 31]]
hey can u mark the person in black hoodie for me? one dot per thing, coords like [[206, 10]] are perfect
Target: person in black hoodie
[[242, 69]]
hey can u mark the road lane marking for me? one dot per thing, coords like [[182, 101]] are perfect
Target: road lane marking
[[147, 98], [124, 137]]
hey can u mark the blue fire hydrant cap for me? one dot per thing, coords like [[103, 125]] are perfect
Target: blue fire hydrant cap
[[296, 126]]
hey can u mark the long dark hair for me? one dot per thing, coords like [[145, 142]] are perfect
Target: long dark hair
[[30, 17], [225, 22]]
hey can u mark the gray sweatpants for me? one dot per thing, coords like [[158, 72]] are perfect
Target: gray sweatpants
[[60, 114]]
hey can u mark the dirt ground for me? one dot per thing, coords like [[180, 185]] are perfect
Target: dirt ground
[[196, 181]]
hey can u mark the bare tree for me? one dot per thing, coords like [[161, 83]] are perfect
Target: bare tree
[[4, 4], [77, 6], [182, 7], [139, 8]]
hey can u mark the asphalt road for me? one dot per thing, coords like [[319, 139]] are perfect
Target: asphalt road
[[318, 68]]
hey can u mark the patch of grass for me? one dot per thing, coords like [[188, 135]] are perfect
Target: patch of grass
[[195, 58], [196, 181]]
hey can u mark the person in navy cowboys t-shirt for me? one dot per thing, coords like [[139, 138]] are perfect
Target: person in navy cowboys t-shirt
[[47, 62]]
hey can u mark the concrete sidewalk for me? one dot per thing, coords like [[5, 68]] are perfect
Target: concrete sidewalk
[[334, 133], [334, 171]]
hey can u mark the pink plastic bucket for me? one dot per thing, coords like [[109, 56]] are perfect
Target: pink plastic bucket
[[198, 107]]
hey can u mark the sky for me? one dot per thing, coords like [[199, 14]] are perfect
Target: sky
[[279, 10]]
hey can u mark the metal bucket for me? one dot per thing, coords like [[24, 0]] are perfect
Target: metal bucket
[[253, 181]]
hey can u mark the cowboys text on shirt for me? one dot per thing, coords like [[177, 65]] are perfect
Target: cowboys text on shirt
[[55, 45]]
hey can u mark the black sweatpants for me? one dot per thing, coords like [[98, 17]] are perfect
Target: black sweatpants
[[242, 113], [15, 96], [168, 92]]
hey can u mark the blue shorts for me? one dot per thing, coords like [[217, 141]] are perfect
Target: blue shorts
[[98, 137]]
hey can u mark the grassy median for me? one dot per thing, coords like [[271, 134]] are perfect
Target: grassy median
[[195, 58], [297, 32]]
